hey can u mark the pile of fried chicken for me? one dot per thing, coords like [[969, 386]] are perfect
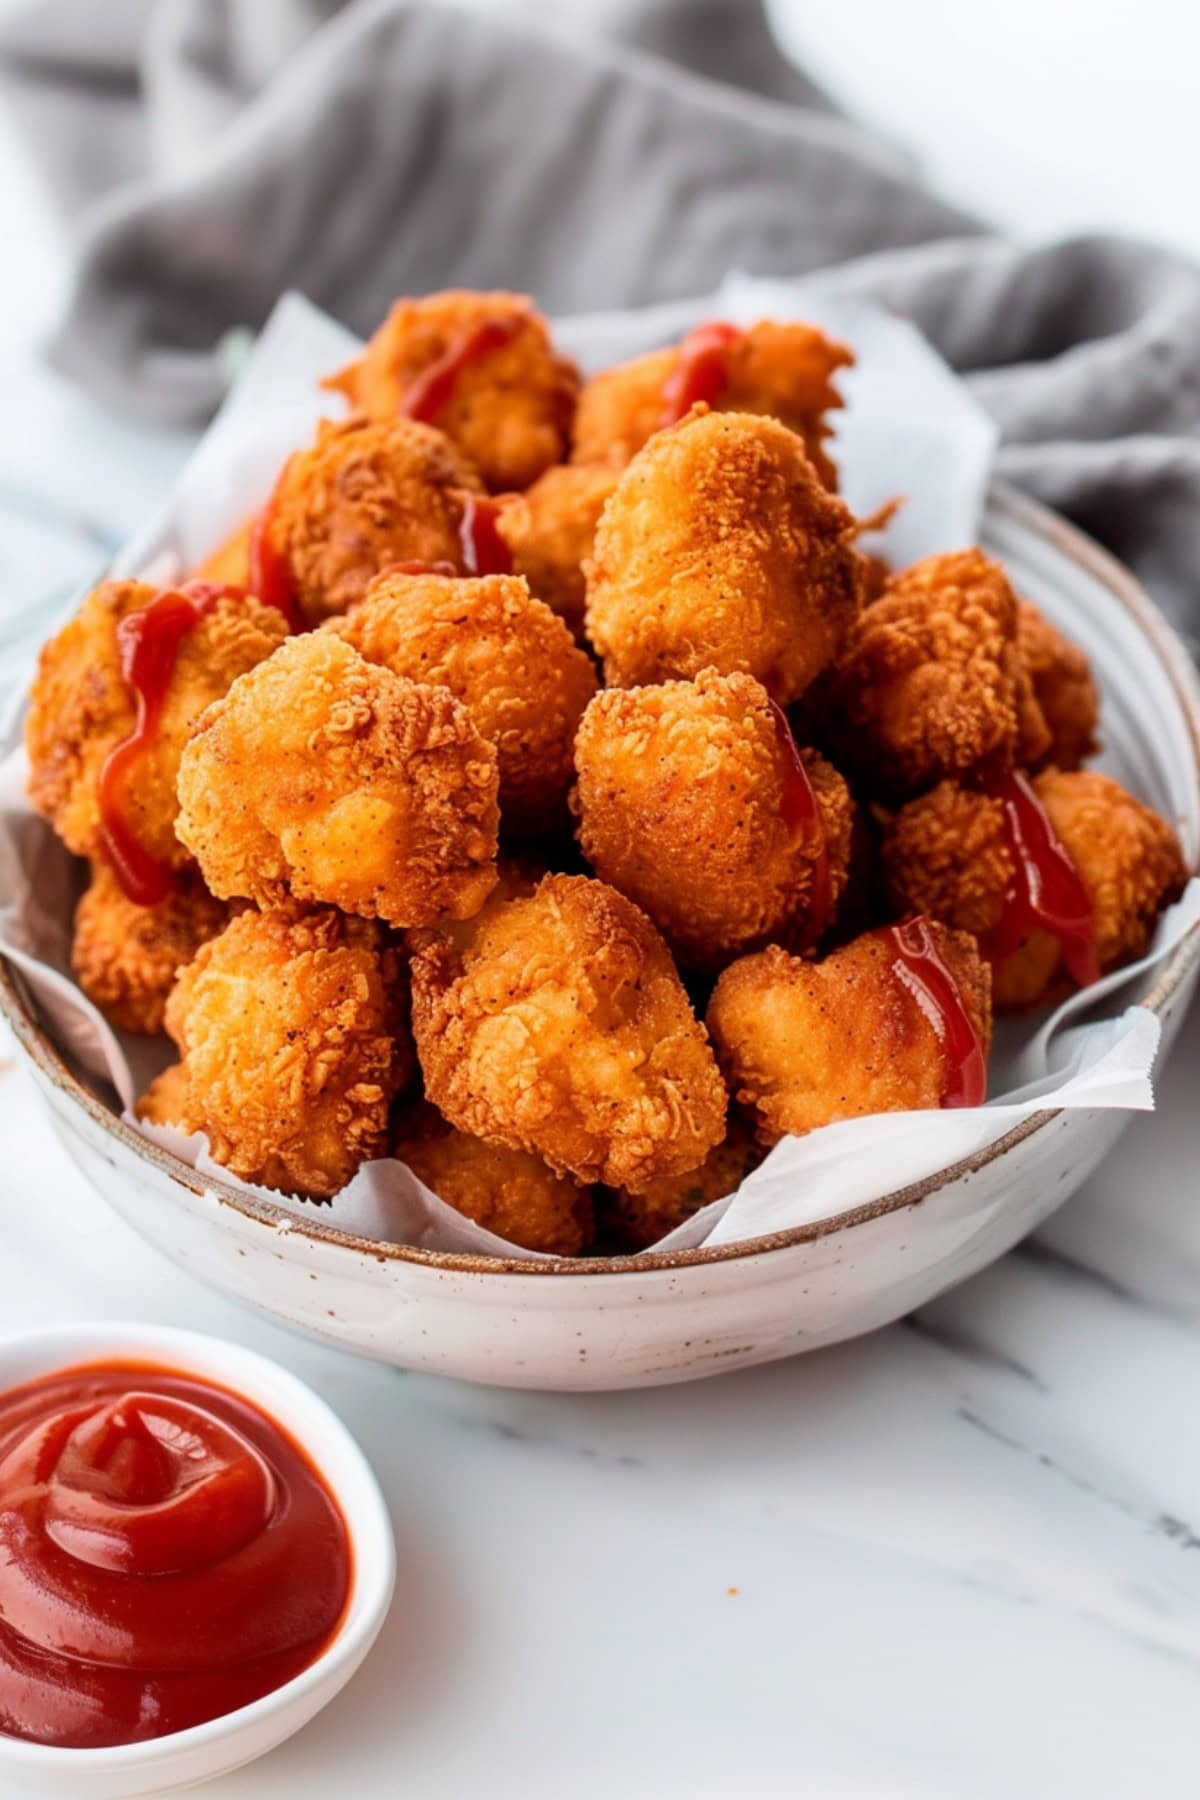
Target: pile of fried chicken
[[546, 789]]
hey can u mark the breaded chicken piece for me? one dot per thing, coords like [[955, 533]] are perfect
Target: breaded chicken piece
[[950, 854], [510, 1192], [931, 682], [126, 957], [777, 367], [323, 777], [1062, 686], [550, 530], [80, 709], [803, 1044], [482, 368], [693, 800], [720, 548], [556, 1023], [640, 1220], [291, 1036], [515, 667], [165, 1100], [229, 564], [362, 496]]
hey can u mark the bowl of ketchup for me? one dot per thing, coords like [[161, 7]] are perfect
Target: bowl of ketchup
[[194, 1558]]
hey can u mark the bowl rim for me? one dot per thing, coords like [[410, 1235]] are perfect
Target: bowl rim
[[324, 1437], [1019, 509]]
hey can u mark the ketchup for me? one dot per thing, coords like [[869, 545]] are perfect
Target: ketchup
[[484, 551], [269, 574], [801, 812], [148, 643], [167, 1554], [702, 369], [1046, 889], [433, 389], [918, 963]]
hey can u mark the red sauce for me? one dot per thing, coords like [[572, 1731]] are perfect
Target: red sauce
[[1046, 889], [269, 574], [484, 551], [148, 643], [801, 812], [702, 369], [433, 389], [919, 965], [167, 1555]]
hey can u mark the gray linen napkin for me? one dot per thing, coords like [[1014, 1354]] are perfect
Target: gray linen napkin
[[213, 152]]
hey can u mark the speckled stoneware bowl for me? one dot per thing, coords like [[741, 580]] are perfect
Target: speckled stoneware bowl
[[631, 1321]]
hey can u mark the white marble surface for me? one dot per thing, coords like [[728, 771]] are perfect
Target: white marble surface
[[958, 1560]]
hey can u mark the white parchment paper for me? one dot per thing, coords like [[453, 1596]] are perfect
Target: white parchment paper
[[909, 427]]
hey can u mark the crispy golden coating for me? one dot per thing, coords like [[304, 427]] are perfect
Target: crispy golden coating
[[509, 407], [777, 367], [1062, 686], [512, 663], [323, 777], [550, 530], [931, 682], [642, 1219], [229, 564], [947, 853], [290, 1030], [510, 1192], [688, 801], [80, 709], [556, 1023], [720, 548], [803, 1044], [362, 496], [126, 957], [165, 1100]]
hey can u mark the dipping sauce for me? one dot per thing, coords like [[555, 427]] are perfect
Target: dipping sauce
[[484, 551], [167, 1555], [701, 372], [918, 964], [1046, 890]]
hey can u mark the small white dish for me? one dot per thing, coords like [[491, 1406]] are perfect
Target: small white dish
[[124, 1771]]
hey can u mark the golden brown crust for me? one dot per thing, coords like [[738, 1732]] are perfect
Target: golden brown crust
[[777, 367], [80, 709], [720, 548], [126, 957], [550, 530], [510, 409], [364, 495], [510, 1192], [640, 1220], [323, 777], [514, 666], [229, 564], [556, 1023], [1062, 686], [165, 1100], [682, 803], [804, 1044], [289, 1030]]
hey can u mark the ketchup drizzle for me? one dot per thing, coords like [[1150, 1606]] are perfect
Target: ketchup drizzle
[[801, 810], [702, 369], [433, 389], [484, 551], [270, 577], [1046, 889], [917, 963]]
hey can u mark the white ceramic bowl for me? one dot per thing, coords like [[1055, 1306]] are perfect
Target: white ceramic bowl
[[659, 1317], [227, 1743]]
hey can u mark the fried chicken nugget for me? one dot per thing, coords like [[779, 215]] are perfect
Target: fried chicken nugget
[[693, 800], [126, 957], [550, 530], [482, 368], [556, 1023], [803, 1044], [293, 1046], [1062, 686], [720, 548], [510, 1192], [80, 709], [640, 1220], [777, 367], [949, 854], [165, 1100], [361, 496], [320, 776], [931, 682], [514, 666]]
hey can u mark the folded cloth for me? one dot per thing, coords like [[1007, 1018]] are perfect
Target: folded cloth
[[214, 152]]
